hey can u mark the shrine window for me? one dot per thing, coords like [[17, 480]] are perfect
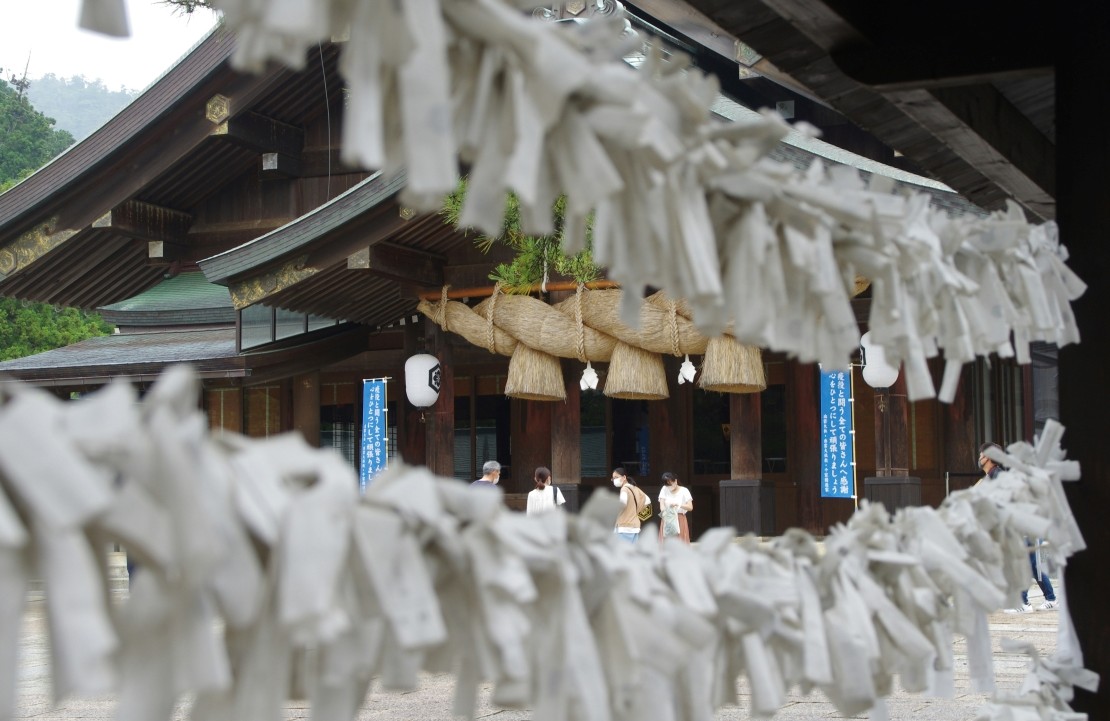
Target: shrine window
[[259, 325]]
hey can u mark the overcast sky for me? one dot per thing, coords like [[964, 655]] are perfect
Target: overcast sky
[[47, 29]]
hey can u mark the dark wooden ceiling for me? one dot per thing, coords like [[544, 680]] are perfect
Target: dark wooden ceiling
[[964, 90]]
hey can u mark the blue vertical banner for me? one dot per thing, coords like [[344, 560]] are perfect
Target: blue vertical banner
[[838, 472], [373, 455]]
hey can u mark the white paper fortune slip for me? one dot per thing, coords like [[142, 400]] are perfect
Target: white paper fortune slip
[[422, 573]]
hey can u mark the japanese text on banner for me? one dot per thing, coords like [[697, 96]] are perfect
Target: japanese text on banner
[[372, 448], [838, 477]]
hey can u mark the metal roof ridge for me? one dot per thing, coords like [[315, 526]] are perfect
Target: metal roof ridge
[[733, 111]]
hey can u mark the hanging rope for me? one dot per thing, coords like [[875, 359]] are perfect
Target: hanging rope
[[580, 341], [441, 309], [489, 317], [675, 350], [543, 285]]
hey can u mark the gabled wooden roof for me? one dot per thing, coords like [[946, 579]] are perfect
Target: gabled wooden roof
[[165, 153], [347, 259]]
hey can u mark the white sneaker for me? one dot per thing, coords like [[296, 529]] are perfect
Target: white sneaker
[[1024, 608], [1048, 605]]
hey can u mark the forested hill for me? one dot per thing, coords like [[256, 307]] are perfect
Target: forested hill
[[28, 139], [77, 104]]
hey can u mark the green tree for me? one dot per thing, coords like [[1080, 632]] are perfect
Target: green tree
[[28, 141], [536, 256], [29, 328]]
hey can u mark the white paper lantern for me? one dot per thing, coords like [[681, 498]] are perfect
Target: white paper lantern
[[877, 372], [422, 379]]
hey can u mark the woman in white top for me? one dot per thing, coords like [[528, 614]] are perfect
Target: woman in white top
[[545, 497], [674, 499]]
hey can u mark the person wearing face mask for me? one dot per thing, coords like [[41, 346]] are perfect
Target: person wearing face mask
[[674, 503], [633, 499]]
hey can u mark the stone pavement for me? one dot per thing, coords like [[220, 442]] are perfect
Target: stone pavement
[[433, 700]]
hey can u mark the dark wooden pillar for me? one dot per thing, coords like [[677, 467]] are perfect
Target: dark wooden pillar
[[411, 424], [306, 406], [746, 500], [892, 485], [566, 437], [530, 442], [803, 442], [1083, 154], [439, 451], [892, 430], [745, 434], [669, 430], [958, 429]]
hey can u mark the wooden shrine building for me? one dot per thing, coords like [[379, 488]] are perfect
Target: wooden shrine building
[[213, 222]]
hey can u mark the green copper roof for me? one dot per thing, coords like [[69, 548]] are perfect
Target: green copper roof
[[187, 291]]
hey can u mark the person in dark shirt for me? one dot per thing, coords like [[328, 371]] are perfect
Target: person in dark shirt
[[992, 469], [491, 474]]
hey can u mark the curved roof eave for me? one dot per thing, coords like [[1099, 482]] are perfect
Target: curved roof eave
[[34, 198]]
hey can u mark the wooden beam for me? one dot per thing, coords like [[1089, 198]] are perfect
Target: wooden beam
[[146, 221], [234, 232], [320, 162], [398, 263], [261, 134], [277, 166], [981, 126], [799, 36], [905, 68], [159, 252]]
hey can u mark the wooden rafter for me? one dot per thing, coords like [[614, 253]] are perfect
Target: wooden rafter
[[145, 221], [404, 265], [974, 141]]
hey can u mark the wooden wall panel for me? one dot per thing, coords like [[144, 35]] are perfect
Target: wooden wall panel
[[306, 406], [803, 463], [224, 407]]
